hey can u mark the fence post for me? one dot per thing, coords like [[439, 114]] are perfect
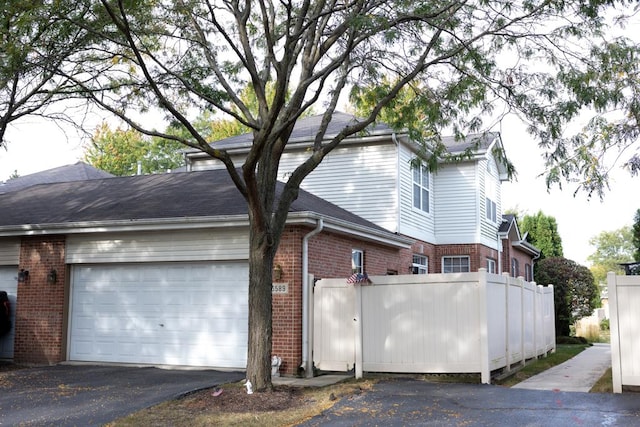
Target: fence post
[[616, 366], [523, 320], [536, 316], [485, 372], [358, 332], [507, 324], [552, 302]]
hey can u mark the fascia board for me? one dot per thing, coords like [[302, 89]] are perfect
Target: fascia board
[[526, 247], [158, 224], [187, 223]]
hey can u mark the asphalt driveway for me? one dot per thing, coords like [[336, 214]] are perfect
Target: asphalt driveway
[[66, 395], [406, 402]]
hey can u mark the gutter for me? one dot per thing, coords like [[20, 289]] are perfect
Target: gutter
[[187, 223], [307, 364]]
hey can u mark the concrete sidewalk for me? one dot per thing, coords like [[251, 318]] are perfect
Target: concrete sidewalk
[[579, 373]]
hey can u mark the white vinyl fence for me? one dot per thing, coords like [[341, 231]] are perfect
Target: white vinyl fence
[[624, 322], [433, 323]]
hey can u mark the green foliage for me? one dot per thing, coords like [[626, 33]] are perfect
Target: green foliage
[[635, 238], [571, 340], [542, 233], [604, 325], [612, 249], [210, 128], [566, 348], [575, 292], [119, 151]]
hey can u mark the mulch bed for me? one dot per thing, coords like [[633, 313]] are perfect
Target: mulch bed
[[9, 366], [235, 399]]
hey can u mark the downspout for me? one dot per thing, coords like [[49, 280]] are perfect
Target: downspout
[[500, 249], [306, 362]]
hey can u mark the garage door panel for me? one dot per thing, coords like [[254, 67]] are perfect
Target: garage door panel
[[9, 283], [186, 314]]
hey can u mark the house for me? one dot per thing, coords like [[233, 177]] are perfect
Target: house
[[518, 254], [154, 269], [79, 171], [453, 215]]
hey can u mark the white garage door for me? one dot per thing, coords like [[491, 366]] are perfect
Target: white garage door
[[192, 314], [9, 284]]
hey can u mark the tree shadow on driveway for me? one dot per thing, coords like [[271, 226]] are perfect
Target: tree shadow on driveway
[[70, 395]]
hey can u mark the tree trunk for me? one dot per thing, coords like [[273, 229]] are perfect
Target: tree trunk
[[261, 255]]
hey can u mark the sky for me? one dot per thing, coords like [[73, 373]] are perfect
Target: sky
[[35, 146], [578, 217]]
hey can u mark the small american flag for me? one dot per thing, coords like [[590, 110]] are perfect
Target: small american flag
[[358, 278]]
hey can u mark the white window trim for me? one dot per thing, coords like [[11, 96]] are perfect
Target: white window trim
[[421, 268], [424, 171], [357, 268], [491, 210], [457, 257], [493, 263]]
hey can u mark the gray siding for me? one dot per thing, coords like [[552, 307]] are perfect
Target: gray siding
[[489, 186], [361, 179], [9, 251], [456, 204], [191, 245], [414, 222]]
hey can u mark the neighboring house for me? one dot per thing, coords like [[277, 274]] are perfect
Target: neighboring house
[[154, 269], [79, 171], [453, 214], [518, 255]]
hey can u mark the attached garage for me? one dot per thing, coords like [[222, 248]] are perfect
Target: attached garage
[[153, 269], [192, 314], [9, 254]]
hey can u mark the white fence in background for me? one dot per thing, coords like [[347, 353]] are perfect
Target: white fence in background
[[624, 323], [433, 323]]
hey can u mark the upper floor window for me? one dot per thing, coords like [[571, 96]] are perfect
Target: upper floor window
[[455, 264], [420, 264], [515, 268], [357, 261], [491, 266], [491, 210], [421, 188], [491, 192]]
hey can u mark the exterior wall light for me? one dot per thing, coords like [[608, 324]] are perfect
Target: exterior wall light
[[52, 276], [277, 272], [23, 275]]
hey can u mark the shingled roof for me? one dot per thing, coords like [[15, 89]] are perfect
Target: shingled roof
[[77, 172], [304, 130], [176, 195]]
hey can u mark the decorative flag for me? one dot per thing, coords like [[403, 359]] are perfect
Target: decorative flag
[[358, 278]]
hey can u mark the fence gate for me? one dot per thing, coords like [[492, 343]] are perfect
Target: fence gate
[[333, 325]]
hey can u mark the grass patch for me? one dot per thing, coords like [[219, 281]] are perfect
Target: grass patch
[[563, 353], [604, 384]]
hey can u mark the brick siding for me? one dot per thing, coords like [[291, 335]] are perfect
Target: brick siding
[[329, 256], [40, 305]]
